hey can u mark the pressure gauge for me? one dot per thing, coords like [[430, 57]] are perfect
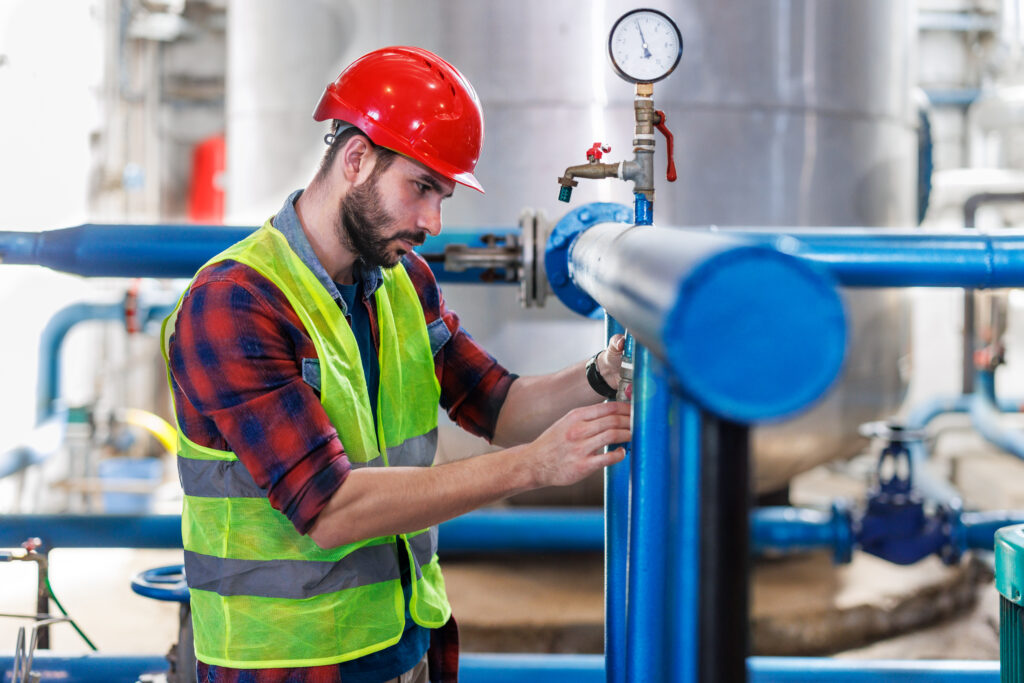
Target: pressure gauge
[[645, 46]]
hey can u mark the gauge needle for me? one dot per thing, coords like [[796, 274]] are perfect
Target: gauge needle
[[647, 53]]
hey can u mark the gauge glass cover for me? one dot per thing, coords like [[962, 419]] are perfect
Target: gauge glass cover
[[645, 46]]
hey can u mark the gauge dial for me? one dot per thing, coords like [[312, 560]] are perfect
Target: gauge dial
[[645, 46]]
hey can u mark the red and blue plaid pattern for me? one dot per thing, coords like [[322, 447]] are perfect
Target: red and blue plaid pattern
[[236, 360]]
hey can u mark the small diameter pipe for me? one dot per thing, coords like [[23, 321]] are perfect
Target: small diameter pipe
[[981, 527], [544, 668], [646, 644], [750, 333], [616, 549], [52, 339], [985, 416]]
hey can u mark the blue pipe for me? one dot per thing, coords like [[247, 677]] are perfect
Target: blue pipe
[[980, 527], [44, 440], [789, 529], [778, 529], [985, 416], [538, 668], [536, 530], [52, 339], [616, 549], [172, 251], [649, 545], [889, 258], [697, 301], [684, 517]]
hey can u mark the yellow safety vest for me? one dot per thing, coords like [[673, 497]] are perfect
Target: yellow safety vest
[[264, 595]]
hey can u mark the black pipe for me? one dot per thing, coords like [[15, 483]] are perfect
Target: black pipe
[[725, 565]]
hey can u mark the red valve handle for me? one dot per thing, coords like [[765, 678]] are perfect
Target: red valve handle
[[596, 151], [670, 175]]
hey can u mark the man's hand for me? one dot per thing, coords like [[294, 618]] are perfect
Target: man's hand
[[609, 361], [573, 447]]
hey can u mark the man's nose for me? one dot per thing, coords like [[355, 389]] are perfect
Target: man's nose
[[430, 220]]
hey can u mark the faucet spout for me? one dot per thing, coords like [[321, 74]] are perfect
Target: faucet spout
[[594, 171]]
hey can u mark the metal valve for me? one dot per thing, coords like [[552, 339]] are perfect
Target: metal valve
[[596, 151]]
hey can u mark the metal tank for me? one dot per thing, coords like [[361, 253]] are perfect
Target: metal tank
[[785, 112]]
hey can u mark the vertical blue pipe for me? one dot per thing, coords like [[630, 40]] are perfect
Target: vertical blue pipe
[[646, 642], [616, 549], [683, 609], [643, 210]]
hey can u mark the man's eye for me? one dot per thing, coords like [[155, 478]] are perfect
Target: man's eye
[[422, 188]]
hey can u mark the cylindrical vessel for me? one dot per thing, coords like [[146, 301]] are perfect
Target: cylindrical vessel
[[785, 112]]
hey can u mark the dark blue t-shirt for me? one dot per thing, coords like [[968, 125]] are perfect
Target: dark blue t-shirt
[[393, 661]]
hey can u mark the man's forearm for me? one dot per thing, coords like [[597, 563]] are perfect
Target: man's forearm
[[378, 501], [375, 502], [533, 403]]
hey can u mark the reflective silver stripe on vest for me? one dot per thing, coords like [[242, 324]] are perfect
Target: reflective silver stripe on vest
[[230, 478], [217, 479], [291, 579], [418, 451], [423, 546]]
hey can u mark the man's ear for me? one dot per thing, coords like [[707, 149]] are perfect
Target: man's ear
[[356, 157]]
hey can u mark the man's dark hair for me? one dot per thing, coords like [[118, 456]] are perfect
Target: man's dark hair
[[337, 140]]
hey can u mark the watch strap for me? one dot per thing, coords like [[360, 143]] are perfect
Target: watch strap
[[596, 380]]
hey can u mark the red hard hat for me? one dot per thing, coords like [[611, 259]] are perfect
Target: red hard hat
[[413, 102]]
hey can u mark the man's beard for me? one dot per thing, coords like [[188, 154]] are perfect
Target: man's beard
[[362, 223]]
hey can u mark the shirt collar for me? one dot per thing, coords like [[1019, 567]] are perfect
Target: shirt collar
[[287, 223]]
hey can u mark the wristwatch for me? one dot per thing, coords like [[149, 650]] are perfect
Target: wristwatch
[[596, 380]]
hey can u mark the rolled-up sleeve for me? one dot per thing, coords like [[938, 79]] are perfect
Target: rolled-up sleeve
[[236, 368], [473, 384]]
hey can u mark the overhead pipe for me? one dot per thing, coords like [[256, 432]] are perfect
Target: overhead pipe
[[896, 258], [178, 251]]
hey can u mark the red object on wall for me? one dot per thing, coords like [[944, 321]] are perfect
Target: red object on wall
[[206, 191]]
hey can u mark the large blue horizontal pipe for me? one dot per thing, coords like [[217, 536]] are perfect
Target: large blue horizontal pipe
[[536, 668], [778, 529], [170, 251], [901, 258], [750, 333], [541, 529], [483, 530]]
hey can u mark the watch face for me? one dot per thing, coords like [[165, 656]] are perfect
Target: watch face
[[644, 46]]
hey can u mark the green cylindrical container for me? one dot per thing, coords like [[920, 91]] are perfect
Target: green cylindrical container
[[1010, 583]]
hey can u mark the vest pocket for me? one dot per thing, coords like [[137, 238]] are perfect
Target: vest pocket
[[439, 334], [311, 373]]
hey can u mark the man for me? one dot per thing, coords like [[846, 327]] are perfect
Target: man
[[307, 363]]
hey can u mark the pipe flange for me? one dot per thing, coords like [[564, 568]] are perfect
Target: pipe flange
[[556, 255]]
